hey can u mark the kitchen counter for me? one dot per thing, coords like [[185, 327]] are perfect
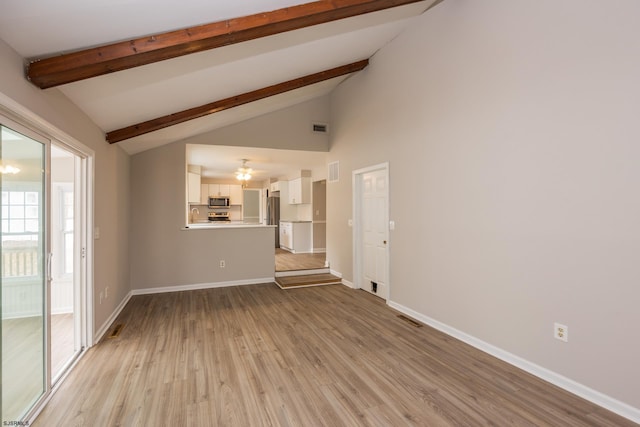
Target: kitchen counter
[[217, 225]]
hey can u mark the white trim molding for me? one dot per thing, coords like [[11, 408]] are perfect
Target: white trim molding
[[107, 323], [196, 286], [160, 290], [345, 282], [348, 284], [563, 382]]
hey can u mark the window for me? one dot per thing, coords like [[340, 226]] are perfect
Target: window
[[20, 232], [20, 212]]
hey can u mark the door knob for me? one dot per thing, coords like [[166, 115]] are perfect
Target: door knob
[[384, 241]]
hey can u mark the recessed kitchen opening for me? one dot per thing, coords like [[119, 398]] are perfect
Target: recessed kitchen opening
[[284, 189]]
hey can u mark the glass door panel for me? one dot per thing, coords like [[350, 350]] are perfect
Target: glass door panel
[[23, 301], [64, 288]]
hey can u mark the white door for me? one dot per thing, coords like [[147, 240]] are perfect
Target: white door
[[374, 232]]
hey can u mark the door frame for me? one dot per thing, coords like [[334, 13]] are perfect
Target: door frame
[[23, 117], [356, 183]]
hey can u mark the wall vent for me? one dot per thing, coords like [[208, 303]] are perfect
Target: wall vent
[[334, 172], [320, 127]]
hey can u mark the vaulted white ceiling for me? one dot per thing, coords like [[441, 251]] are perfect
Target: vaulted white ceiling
[[40, 28]]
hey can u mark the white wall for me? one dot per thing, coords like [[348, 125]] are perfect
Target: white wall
[[287, 129], [511, 129], [111, 266], [162, 254]]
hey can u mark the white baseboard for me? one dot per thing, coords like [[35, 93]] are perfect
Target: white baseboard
[[105, 326], [348, 283], [344, 281], [319, 250], [196, 286], [565, 383]]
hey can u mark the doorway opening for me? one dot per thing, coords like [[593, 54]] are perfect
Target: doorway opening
[[308, 251]]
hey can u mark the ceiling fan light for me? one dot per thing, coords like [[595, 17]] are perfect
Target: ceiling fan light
[[8, 169], [244, 173]]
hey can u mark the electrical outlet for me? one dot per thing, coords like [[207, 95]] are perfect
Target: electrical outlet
[[561, 332], [101, 296], [222, 263]]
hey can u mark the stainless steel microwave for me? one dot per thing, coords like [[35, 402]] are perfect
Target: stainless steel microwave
[[218, 202]]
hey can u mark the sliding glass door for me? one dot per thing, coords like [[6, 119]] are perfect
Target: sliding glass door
[[24, 266], [65, 288]]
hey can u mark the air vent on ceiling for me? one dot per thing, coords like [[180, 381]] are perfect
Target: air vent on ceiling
[[320, 127], [334, 172]]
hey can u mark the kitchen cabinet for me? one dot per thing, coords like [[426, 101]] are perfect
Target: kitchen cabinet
[[193, 187], [300, 191], [233, 192], [275, 186], [235, 195], [285, 235], [204, 194], [219, 190], [295, 236]]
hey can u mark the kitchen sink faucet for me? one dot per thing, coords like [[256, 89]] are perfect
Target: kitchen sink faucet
[[196, 211]]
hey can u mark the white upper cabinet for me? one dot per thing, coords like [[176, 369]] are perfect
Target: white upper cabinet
[[204, 194], [300, 191], [219, 190], [194, 187], [235, 194]]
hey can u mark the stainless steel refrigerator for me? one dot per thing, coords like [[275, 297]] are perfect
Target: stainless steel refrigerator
[[273, 213]]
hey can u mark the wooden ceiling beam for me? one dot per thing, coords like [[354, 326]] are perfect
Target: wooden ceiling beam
[[234, 101], [93, 62]]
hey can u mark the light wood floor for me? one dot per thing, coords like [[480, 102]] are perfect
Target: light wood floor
[[62, 341], [286, 261], [257, 356], [290, 282], [23, 359], [22, 365]]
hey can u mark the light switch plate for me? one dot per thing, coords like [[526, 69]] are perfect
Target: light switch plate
[[392, 225], [350, 223]]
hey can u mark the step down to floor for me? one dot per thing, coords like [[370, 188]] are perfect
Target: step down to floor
[[302, 272], [305, 280]]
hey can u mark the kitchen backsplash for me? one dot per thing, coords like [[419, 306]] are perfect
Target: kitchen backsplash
[[202, 213]]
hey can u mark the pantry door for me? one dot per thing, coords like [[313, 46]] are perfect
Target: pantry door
[[371, 229], [25, 269]]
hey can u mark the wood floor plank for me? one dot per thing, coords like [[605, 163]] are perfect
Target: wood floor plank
[[258, 356], [304, 280], [287, 261]]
